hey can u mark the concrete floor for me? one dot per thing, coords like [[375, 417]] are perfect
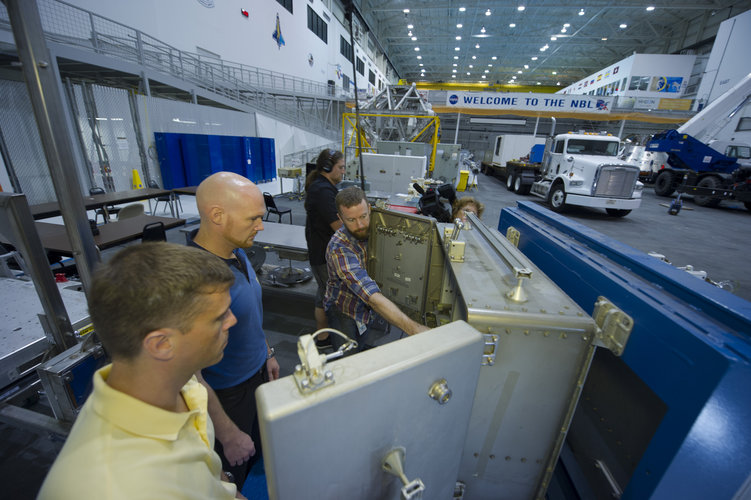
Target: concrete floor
[[710, 239]]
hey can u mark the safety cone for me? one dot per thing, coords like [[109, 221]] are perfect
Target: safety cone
[[136, 181]]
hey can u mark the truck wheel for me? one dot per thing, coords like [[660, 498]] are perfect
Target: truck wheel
[[616, 212], [710, 182], [557, 198], [747, 204], [510, 181], [520, 188], [664, 184]]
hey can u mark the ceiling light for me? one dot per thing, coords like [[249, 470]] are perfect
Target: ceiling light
[[470, 66], [459, 25], [421, 65], [534, 58], [567, 25], [650, 8], [512, 25], [553, 38], [462, 9], [604, 39], [458, 37], [526, 66], [513, 77], [474, 57], [511, 81], [410, 26], [558, 83], [487, 71], [453, 76], [414, 38], [419, 57], [538, 83], [490, 65], [477, 45], [417, 49], [483, 76], [581, 12], [457, 49], [410, 33], [623, 26], [453, 71], [555, 72], [487, 12], [454, 64], [456, 57], [563, 30], [406, 11], [482, 30], [520, 72], [520, 8], [468, 73], [494, 58]]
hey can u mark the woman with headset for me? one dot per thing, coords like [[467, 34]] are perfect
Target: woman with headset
[[321, 222]]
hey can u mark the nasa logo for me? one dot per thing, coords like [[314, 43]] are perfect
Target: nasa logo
[[602, 105], [453, 99]]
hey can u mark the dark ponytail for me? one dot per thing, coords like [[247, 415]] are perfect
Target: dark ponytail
[[324, 163]]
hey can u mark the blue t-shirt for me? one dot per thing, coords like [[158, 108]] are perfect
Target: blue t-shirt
[[246, 349]]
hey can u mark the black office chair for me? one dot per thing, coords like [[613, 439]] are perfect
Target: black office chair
[[154, 231], [272, 209], [165, 198], [111, 209]]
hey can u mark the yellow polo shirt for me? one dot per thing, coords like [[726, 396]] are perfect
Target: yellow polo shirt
[[123, 448]]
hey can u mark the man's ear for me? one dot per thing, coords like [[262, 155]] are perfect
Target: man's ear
[[339, 216], [160, 344], [216, 214]]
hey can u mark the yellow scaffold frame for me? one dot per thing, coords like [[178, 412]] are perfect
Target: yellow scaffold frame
[[350, 118]]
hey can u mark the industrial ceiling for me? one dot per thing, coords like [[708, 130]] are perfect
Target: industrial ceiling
[[535, 42]]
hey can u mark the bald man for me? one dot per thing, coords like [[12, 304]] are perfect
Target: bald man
[[232, 209]]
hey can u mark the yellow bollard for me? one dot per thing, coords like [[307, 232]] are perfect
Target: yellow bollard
[[136, 181]]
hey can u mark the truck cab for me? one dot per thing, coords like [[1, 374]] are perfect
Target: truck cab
[[583, 169]]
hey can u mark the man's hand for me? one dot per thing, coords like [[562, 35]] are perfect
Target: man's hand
[[227, 478], [238, 447], [272, 368]]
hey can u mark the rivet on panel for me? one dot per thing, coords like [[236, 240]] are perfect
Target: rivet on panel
[[546, 333], [492, 457], [526, 332], [508, 331], [508, 458], [524, 460], [543, 311]]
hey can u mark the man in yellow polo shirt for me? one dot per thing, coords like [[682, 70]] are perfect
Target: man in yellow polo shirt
[[162, 313]]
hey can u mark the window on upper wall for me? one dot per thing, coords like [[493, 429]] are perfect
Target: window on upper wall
[[361, 66], [743, 124], [345, 48], [318, 25], [345, 82], [287, 4], [371, 77]]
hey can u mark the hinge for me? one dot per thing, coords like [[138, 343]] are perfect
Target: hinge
[[490, 349], [613, 326]]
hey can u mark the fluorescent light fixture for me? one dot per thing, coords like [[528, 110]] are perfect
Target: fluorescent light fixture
[[555, 72], [457, 49], [410, 26], [455, 65], [453, 76], [460, 25], [534, 58], [604, 39], [520, 8], [462, 9], [421, 64], [419, 57], [406, 11], [477, 45], [553, 38], [498, 121], [538, 83], [417, 49], [487, 12], [563, 30], [468, 73], [483, 76], [116, 119], [581, 12], [487, 71], [453, 71], [526, 66], [104, 119], [520, 72], [512, 25], [471, 66], [458, 37], [490, 65], [494, 58], [623, 26], [456, 57], [414, 38], [558, 83], [482, 30], [650, 8], [474, 57]]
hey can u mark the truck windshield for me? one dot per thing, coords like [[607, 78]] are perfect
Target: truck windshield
[[587, 147], [742, 152]]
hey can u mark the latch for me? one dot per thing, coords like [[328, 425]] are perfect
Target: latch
[[454, 247], [311, 374], [513, 235], [613, 326], [393, 463], [490, 349]]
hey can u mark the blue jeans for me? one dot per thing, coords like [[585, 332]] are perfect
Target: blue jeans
[[348, 326]]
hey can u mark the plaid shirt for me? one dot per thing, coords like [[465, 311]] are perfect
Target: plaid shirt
[[349, 287]]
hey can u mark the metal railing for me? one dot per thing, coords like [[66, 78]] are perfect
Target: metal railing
[[259, 88]]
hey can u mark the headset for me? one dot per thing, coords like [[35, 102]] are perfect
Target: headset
[[329, 165]]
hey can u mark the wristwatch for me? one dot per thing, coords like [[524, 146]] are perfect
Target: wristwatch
[[270, 354]]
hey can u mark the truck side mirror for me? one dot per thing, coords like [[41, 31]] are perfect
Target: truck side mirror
[[570, 159]]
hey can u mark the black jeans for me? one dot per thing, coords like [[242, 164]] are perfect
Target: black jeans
[[239, 403]]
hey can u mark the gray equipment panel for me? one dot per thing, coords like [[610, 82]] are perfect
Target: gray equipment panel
[[446, 166], [539, 345], [379, 401]]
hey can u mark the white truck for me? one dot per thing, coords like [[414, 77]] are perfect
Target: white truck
[[509, 147], [583, 169]]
